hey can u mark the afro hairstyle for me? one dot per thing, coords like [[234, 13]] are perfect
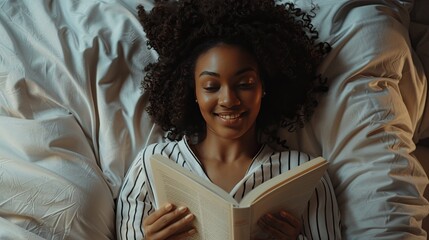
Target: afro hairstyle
[[279, 36]]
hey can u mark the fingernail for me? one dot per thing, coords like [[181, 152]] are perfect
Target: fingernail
[[269, 216], [182, 209], [189, 216], [192, 231], [283, 214], [168, 207]]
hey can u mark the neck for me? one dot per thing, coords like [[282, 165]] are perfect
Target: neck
[[228, 150]]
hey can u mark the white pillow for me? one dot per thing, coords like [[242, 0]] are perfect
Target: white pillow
[[366, 122]]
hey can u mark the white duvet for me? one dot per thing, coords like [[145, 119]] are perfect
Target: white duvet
[[72, 115]]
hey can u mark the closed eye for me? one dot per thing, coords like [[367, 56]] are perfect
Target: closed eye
[[211, 88], [245, 86]]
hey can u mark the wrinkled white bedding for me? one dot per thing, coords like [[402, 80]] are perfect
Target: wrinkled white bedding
[[72, 115], [70, 76]]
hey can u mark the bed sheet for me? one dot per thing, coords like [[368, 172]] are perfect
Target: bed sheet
[[419, 35], [369, 121], [72, 115]]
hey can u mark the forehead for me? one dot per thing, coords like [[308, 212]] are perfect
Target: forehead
[[224, 56]]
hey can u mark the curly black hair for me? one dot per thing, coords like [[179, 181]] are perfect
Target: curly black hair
[[279, 36]]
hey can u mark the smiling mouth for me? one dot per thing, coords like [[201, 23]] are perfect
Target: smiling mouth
[[229, 116]]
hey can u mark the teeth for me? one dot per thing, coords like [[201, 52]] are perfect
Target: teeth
[[229, 116]]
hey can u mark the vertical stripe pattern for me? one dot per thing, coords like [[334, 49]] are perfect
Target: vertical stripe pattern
[[321, 219]]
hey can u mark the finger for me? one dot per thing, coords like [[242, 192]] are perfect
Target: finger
[[285, 222], [268, 229], [182, 225], [184, 235], [274, 233], [278, 228], [290, 218], [167, 219], [149, 220]]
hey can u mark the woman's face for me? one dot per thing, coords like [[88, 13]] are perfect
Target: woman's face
[[228, 90]]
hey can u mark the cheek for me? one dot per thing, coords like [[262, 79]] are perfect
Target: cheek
[[253, 99], [206, 102], [204, 98]]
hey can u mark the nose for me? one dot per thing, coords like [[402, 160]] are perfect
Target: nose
[[228, 98]]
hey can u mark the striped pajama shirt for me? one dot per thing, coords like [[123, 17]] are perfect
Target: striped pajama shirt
[[321, 219]]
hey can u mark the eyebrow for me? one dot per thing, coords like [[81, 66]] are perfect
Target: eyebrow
[[214, 74]]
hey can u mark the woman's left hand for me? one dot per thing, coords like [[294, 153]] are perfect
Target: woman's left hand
[[282, 225]]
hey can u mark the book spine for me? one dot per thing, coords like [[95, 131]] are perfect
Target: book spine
[[241, 223]]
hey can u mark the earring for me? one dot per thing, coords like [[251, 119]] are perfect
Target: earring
[[263, 94], [196, 100]]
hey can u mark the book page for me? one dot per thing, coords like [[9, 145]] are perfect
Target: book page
[[292, 197], [213, 213], [316, 166]]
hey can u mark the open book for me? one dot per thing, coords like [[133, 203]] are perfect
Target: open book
[[217, 214]]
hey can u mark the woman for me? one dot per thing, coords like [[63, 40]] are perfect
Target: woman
[[229, 74]]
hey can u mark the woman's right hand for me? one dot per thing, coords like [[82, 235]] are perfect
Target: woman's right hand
[[169, 222]]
